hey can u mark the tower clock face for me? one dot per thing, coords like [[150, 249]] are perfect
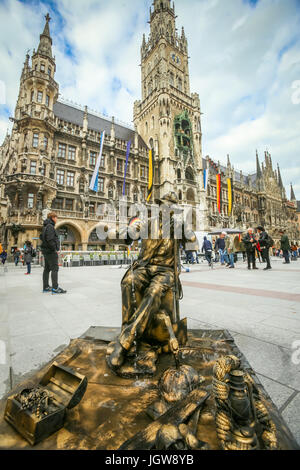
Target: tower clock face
[[175, 58]]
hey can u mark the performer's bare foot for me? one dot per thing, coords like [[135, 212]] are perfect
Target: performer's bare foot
[[115, 355]]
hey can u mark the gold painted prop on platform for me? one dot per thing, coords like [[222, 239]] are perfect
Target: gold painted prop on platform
[[242, 419], [38, 412]]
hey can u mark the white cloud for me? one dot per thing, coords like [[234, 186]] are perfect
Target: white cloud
[[244, 85]]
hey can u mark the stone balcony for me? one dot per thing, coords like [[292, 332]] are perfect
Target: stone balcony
[[28, 220], [17, 178]]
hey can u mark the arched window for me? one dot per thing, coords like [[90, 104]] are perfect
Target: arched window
[[189, 174], [179, 174], [146, 127], [152, 122]]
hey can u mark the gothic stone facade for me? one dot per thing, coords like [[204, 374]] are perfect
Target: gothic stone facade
[[49, 158]]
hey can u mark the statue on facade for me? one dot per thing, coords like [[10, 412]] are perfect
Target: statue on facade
[[150, 299]]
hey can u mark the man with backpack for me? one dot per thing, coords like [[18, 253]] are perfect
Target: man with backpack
[[29, 254], [265, 242], [50, 248]]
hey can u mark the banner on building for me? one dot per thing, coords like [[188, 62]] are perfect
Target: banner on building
[[151, 174], [219, 193], [126, 165], [230, 195], [95, 177], [205, 178]]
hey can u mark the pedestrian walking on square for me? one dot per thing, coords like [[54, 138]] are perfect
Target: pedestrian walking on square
[[220, 247], [28, 256], [265, 243], [50, 248], [242, 249], [250, 245], [207, 249], [3, 256], [230, 250], [285, 246], [17, 255], [294, 249]]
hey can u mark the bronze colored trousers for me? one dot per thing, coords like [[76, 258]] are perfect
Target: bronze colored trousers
[[150, 285]]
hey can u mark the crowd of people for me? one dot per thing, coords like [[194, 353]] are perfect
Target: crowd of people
[[24, 256], [255, 246]]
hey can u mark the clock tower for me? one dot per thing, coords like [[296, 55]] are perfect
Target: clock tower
[[168, 117]]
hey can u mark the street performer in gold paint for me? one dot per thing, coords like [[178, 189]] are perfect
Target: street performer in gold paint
[[147, 289]]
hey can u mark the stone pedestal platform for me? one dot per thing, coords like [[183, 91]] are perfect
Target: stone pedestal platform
[[113, 410]]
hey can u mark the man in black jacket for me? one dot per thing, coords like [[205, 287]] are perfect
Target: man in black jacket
[[50, 248], [250, 244], [264, 244]]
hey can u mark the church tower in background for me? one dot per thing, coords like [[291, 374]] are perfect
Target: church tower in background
[[168, 117]]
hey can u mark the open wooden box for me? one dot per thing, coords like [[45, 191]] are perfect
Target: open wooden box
[[67, 389]]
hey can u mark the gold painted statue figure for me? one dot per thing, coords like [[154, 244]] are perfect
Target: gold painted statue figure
[[242, 418], [150, 298]]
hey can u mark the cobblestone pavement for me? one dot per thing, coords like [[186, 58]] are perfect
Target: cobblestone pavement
[[261, 309]]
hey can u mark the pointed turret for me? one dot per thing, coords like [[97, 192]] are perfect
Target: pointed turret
[[161, 4], [113, 131], [26, 67], [293, 197], [162, 21], [279, 177], [270, 160], [85, 121], [45, 45], [228, 161], [258, 168]]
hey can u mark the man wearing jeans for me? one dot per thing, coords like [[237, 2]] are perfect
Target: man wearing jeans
[[229, 243], [220, 247], [50, 248], [285, 246]]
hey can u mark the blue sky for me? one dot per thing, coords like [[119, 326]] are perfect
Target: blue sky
[[244, 62]]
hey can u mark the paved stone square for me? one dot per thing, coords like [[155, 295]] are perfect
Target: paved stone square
[[261, 309]]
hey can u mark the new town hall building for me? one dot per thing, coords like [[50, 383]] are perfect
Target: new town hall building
[[49, 158]]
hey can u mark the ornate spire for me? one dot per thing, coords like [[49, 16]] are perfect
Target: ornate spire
[[26, 65], [258, 168], [45, 45], [112, 130], [161, 4], [162, 21], [228, 161], [279, 177], [293, 197]]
